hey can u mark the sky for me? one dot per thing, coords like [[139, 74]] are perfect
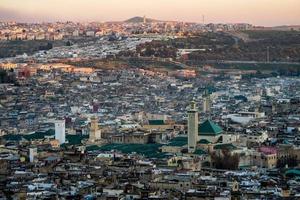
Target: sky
[[257, 12]]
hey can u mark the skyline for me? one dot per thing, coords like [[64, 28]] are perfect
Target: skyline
[[267, 12]]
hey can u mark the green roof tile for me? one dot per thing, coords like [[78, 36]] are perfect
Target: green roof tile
[[148, 150], [12, 137], [200, 152], [92, 148], [293, 172], [225, 146], [39, 135], [178, 141], [156, 122], [204, 141], [209, 128], [75, 139]]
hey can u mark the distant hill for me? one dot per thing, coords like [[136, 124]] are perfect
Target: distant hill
[[287, 28], [138, 19]]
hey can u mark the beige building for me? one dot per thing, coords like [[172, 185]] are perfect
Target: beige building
[[158, 125], [171, 184], [206, 102], [131, 138], [265, 157], [95, 132], [172, 149], [7, 66], [258, 137]]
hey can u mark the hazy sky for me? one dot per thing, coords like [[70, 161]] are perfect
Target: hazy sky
[[258, 12]]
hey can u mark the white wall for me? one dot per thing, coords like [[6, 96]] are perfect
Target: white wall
[[60, 131]]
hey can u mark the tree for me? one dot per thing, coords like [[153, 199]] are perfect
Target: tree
[[49, 46], [7, 77], [290, 161], [225, 160], [68, 43]]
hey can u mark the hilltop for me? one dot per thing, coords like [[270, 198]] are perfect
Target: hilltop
[[139, 19]]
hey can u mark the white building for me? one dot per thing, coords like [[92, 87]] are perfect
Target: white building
[[75, 33], [258, 137], [32, 154], [90, 33], [245, 117], [60, 131]]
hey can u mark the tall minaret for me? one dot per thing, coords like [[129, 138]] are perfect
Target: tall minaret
[[60, 131], [273, 107], [95, 133], [192, 127], [144, 19], [206, 102]]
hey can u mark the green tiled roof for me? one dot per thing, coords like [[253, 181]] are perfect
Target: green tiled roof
[[148, 150], [33, 136], [92, 148], [204, 141], [200, 152], [293, 172], [39, 135], [209, 128], [156, 122], [75, 139], [225, 146], [12, 137], [178, 141], [72, 139]]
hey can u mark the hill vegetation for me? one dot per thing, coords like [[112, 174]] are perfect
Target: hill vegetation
[[18, 47], [138, 19], [282, 46]]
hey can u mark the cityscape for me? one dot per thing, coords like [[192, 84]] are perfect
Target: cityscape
[[149, 106]]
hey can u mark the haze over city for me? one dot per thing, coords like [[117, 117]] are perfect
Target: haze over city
[[257, 12]]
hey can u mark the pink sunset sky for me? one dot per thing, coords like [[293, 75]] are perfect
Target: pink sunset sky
[[258, 12]]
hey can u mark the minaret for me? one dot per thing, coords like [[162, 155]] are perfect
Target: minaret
[[95, 133], [206, 102], [144, 20], [192, 127], [273, 107], [60, 131]]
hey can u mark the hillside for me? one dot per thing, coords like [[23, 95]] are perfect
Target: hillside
[[139, 19]]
